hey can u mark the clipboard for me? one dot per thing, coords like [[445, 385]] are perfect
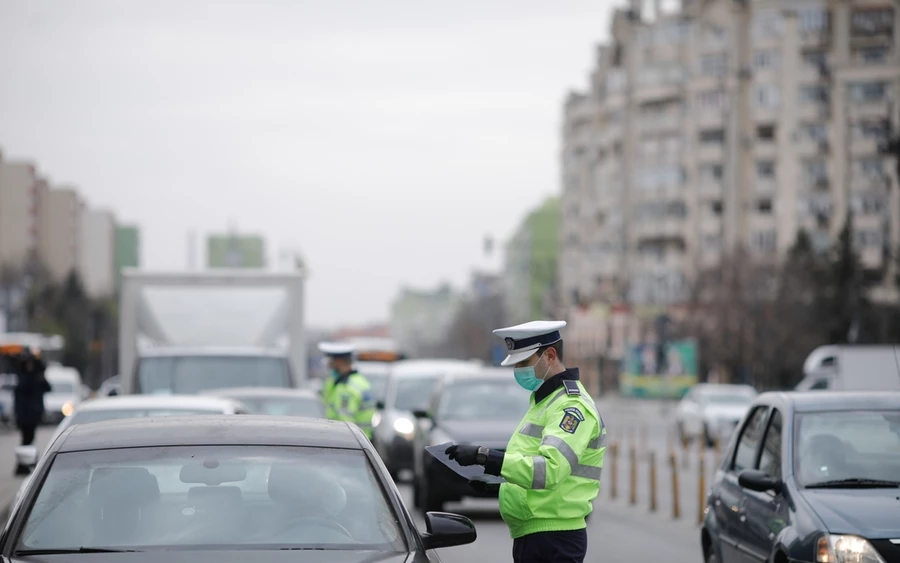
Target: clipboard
[[469, 472]]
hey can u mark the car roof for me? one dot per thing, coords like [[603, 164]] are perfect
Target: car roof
[[227, 351], [812, 401], [237, 392], [730, 388], [213, 429], [431, 368], [484, 374], [137, 402]]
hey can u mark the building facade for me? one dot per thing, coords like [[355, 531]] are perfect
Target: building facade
[[97, 260], [20, 196], [727, 125], [421, 320], [59, 231], [235, 251]]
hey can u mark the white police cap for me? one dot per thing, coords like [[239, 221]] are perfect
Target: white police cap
[[523, 340], [336, 349]]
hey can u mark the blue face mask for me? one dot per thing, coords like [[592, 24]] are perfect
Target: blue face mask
[[527, 379]]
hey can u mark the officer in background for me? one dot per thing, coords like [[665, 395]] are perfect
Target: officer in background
[[553, 462], [347, 395]]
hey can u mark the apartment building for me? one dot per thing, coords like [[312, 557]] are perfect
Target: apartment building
[[20, 194], [727, 124], [97, 259], [59, 231]]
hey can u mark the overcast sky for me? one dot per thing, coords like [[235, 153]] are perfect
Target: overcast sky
[[383, 139]]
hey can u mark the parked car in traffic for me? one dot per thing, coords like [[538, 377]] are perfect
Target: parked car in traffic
[[66, 392], [110, 387], [220, 488], [409, 389], [275, 400], [483, 407], [852, 368], [809, 477], [710, 412]]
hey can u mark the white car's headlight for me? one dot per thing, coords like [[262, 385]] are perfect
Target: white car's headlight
[[405, 427], [846, 549], [67, 409]]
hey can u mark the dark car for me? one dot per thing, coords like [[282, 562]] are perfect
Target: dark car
[[275, 400], [219, 488], [483, 408], [409, 389], [811, 477]]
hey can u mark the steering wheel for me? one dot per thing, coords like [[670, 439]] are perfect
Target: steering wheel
[[315, 521]]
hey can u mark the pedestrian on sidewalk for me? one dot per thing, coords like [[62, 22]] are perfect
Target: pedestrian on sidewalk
[[552, 464]]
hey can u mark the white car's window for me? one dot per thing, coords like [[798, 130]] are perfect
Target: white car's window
[[212, 497], [413, 393]]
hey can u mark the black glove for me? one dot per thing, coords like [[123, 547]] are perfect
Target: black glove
[[463, 455], [483, 487]]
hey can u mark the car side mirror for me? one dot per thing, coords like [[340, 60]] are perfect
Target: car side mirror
[[113, 393], [421, 414], [447, 530], [379, 405], [759, 481], [26, 459]]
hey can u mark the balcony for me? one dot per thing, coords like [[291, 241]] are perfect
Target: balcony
[[655, 230], [811, 111], [710, 152], [872, 108]]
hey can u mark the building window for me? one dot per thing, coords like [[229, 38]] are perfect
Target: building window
[[713, 65], [763, 241], [870, 130], [872, 21], [872, 55], [766, 60], [711, 173], [814, 131], [867, 92], [716, 207], [868, 238], [815, 172], [765, 132], [815, 58], [764, 206], [766, 96], [765, 170], [868, 204], [712, 136], [872, 169], [712, 242], [710, 100], [813, 20], [813, 94], [767, 24]]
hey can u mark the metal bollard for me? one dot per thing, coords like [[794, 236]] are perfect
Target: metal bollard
[[701, 486], [632, 453], [614, 470], [676, 504], [717, 451], [685, 453], [652, 461]]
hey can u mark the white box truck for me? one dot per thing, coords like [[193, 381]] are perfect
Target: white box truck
[[192, 332], [852, 368]]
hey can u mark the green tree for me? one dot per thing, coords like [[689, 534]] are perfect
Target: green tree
[[844, 300]]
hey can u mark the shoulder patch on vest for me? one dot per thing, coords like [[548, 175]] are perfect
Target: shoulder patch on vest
[[572, 417], [571, 387]]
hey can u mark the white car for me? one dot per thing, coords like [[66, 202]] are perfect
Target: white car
[[130, 406], [712, 411], [66, 392]]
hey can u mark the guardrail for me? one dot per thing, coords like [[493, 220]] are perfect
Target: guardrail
[[682, 493]]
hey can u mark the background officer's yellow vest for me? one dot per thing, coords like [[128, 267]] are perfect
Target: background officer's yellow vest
[[351, 400], [553, 464]]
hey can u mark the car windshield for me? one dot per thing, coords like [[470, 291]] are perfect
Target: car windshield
[[284, 406], [413, 393], [85, 417], [378, 381], [194, 374], [832, 446], [61, 387], [483, 400], [212, 497], [729, 399]]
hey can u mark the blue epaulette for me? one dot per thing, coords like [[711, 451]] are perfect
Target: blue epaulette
[[571, 387]]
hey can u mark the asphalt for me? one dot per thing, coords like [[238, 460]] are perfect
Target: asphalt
[[9, 483]]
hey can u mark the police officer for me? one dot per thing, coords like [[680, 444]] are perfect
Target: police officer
[[553, 462], [347, 395]]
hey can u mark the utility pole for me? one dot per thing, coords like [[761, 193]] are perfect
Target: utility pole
[[738, 166]]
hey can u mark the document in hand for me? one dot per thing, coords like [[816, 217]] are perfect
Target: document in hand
[[470, 472]]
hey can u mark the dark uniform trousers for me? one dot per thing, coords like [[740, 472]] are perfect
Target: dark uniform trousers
[[551, 547]]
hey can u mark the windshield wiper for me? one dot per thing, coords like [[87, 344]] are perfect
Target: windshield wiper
[[79, 550], [855, 483]]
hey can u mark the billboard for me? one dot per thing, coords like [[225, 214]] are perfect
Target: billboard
[[651, 370]]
